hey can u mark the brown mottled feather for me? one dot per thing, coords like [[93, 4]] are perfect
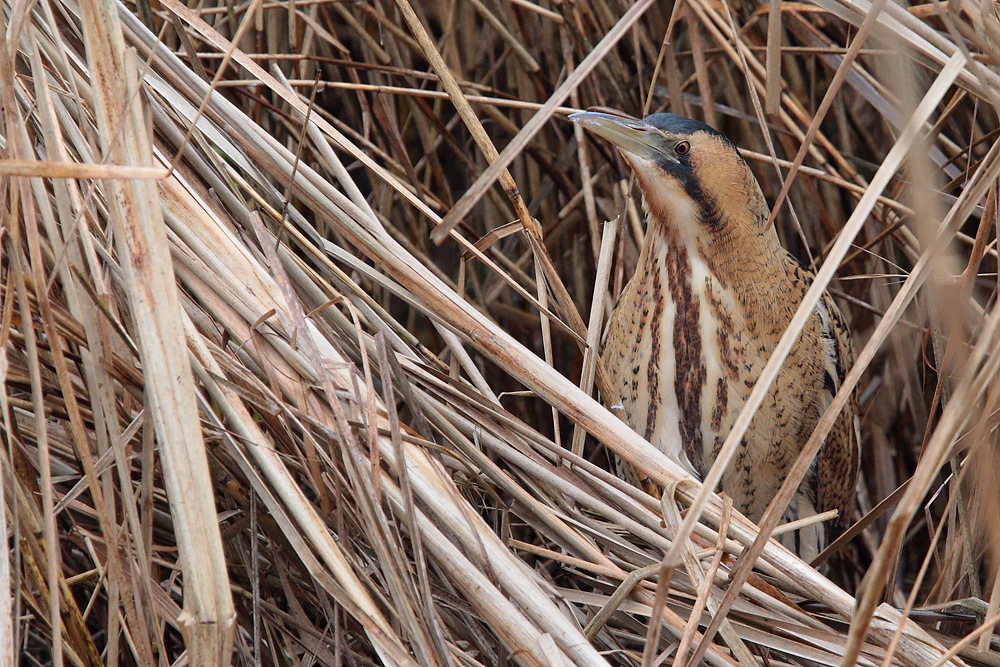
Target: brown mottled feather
[[712, 294], [839, 457]]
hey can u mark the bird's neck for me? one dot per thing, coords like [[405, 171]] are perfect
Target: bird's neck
[[740, 267]]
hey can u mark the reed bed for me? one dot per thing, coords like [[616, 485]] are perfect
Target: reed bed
[[300, 303]]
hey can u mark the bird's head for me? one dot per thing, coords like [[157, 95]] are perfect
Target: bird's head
[[691, 177]]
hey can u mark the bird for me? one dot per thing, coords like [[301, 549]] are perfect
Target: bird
[[713, 292]]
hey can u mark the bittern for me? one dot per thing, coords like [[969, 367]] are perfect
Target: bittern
[[713, 292]]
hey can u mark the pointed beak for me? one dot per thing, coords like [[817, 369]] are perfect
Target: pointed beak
[[632, 136]]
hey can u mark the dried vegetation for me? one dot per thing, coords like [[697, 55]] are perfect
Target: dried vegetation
[[349, 425]]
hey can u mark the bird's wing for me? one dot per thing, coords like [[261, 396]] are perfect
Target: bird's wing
[[838, 459]]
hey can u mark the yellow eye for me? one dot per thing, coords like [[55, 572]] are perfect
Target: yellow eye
[[683, 148]]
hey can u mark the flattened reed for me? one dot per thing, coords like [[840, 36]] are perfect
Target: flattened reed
[[299, 309]]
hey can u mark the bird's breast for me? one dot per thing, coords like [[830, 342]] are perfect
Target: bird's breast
[[684, 352], [674, 349]]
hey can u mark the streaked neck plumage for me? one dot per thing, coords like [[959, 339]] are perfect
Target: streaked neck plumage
[[728, 237]]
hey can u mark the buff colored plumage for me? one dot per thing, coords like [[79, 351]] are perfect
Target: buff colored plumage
[[712, 294]]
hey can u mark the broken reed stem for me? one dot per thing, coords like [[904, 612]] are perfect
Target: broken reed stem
[[208, 622], [321, 340]]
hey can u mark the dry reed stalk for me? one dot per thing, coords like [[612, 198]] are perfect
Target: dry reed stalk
[[399, 409], [208, 620]]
